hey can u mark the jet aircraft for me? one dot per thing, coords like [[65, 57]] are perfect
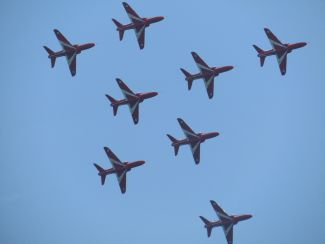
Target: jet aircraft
[[132, 99], [138, 24], [119, 169], [206, 73], [69, 51], [192, 139], [280, 50], [226, 221]]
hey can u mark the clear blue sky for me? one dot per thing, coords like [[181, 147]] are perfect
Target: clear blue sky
[[268, 161]]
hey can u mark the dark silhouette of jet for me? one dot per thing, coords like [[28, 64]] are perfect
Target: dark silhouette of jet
[[206, 73], [192, 139], [119, 169], [69, 51], [226, 221], [138, 24], [280, 50], [132, 99]]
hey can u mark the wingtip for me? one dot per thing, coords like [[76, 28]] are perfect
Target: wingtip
[[266, 29]]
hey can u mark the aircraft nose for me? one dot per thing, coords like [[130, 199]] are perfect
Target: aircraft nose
[[230, 67], [160, 18], [91, 44], [214, 134], [303, 44]]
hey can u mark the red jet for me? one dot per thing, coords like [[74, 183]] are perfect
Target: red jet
[[69, 51], [226, 221], [119, 168], [206, 73], [132, 99], [280, 50], [138, 24], [192, 139]]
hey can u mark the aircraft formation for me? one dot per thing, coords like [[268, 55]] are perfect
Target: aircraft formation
[[133, 100]]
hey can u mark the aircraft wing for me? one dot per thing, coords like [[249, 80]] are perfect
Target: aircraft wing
[[134, 109], [209, 85], [228, 230], [127, 92], [134, 17], [282, 61], [203, 67], [66, 45], [121, 178], [275, 42], [195, 148], [140, 34], [189, 133], [116, 163], [72, 62], [223, 216]]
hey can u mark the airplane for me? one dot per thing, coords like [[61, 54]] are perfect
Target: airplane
[[138, 24], [226, 221], [132, 99], [192, 139], [280, 50], [206, 73], [119, 169], [69, 51]]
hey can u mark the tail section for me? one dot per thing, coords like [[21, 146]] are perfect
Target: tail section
[[207, 224], [260, 54], [119, 28], [114, 104], [188, 78], [51, 55], [101, 170], [174, 143]]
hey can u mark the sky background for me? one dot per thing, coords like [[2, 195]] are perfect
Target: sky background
[[268, 161]]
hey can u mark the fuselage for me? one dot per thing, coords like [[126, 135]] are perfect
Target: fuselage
[[234, 220], [215, 71], [139, 97], [145, 22], [286, 48], [200, 137], [126, 166], [76, 49]]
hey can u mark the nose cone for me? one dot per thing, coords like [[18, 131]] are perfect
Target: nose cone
[[141, 162], [248, 216], [214, 134], [91, 45], [303, 44], [229, 68], [160, 18]]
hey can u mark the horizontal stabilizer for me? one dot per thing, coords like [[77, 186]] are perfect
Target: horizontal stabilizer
[[260, 54], [207, 225], [51, 55], [188, 78], [119, 28], [101, 170], [114, 104], [174, 144]]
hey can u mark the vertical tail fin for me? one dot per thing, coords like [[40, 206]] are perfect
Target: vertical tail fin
[[188, 78], [174, 144], [101, 170], [207, 224], [114, 104], [51, 55], [260, 54], [119, 28]]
